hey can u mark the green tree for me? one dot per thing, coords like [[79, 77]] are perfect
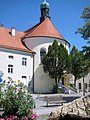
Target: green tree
[[56, 61], [77, 62], [85, 32]]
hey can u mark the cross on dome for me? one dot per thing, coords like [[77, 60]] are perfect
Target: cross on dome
[[45, 3]]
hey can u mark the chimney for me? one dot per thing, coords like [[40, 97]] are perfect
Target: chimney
[[13, 31]]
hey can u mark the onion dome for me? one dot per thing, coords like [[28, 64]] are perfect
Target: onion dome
[[44, 4]]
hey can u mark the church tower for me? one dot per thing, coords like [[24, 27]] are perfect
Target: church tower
[[38, 38], [44, 11]]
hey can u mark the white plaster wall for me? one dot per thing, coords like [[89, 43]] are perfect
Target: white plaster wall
[[36, 43], [86, 80], [19, 70], [42, 82]]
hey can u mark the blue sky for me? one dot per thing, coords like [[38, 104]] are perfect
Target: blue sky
[[65, 15]]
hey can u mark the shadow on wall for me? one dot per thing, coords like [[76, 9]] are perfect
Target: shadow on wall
[[42, 82]]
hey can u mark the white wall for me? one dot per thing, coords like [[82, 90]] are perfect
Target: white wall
[[42, 82], [86, 81], [19, 70], [36, 43]]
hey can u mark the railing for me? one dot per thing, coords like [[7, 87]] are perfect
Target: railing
[[65, 89]]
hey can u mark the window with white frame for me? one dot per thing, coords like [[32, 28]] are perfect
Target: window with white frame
[[10, 68], [24, 61], [42, 54]]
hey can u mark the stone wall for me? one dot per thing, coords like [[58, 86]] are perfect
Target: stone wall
[[79, 107]]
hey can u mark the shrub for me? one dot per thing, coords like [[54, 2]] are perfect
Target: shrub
[[15, 99], [59, 90]]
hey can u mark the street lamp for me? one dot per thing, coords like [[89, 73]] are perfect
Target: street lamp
[[83, 81], [89, 83]]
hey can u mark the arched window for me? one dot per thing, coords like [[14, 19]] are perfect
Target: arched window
[[42, 53]]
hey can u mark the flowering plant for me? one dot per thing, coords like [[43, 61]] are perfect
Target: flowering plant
[[10, 118], [32, 117], [16, 102]]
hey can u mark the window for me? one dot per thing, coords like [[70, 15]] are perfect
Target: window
[[11, 57], [42, 54], [10, 68], [79, 85], [24, 80], [85, 85], [24, 77], [24, 61]]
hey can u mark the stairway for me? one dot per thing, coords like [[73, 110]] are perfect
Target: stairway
[[68, 89]]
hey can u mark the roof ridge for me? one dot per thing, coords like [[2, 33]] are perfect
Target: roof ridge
[[31, 28], [38, 26]]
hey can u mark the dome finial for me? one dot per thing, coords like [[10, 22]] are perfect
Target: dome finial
[[44, 10]]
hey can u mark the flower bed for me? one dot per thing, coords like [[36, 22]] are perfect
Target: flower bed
[[30, 116], [16, 101]]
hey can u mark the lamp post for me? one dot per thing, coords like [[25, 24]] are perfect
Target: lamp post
[[89, 83], [83, 81]]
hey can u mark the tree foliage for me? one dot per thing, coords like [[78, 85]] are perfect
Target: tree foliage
[[56, 61], [85, 32], [77, 62]]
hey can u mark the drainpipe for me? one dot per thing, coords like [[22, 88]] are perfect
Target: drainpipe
[[83, 82], [83, 87], [33, 70]]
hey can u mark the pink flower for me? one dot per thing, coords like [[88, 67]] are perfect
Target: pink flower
[[25, 118], [1, 118], [34, 116], [9, 118]]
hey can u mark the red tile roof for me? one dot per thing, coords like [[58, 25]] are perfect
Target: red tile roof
[[12, 42], [44, 29]]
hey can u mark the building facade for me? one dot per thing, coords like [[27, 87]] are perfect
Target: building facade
[[83, 84], [23, 52]]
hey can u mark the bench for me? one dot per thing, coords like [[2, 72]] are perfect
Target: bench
[[56, 99]]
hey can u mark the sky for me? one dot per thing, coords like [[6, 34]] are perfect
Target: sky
[[65, 15]]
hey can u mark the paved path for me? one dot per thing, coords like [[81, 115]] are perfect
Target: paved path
[[40, 104]]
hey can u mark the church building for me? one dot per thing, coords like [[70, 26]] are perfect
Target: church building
[[21, 53]]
